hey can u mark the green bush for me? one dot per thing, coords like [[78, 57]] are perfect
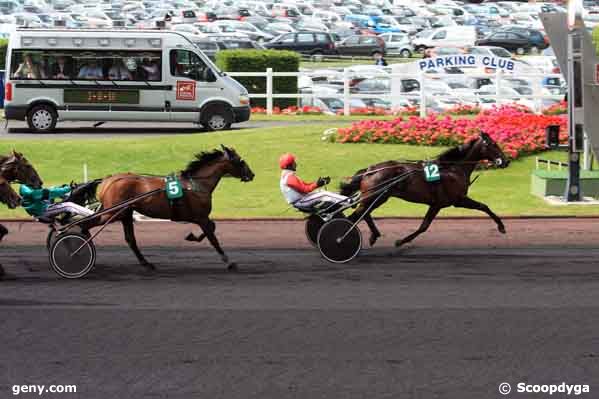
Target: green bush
[[3, 47], [258, 61], [595, 36]]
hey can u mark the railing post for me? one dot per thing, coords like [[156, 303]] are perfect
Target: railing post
[[346, 94], [269, 91], [422, 95], [497, 86]]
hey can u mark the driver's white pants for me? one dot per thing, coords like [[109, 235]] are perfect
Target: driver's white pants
[[70, 207], [319, 196]]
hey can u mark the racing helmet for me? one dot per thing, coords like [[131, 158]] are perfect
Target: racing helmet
[[286, 160]]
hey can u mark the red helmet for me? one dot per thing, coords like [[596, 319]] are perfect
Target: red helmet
[[286, 160]]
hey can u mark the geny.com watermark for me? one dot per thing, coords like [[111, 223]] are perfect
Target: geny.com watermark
[[42, 389], [563, 388]]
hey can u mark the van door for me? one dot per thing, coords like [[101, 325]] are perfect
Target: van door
[[189, 75]]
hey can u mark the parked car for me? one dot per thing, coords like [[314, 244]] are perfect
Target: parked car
[[448, 36], [211, 46], [511, 41], [305, 42], [398, 44], [361, 45], [538, 40]]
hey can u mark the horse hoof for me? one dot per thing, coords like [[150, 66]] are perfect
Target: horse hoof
[[191, 237], [373, 240], [501, 229], [148, 266], [232, 267], [398, 243]]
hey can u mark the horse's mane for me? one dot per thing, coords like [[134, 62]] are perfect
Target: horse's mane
[[202, 159], [456, 154]]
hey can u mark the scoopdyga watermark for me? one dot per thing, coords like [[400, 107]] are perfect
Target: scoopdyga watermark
[[505, 388]]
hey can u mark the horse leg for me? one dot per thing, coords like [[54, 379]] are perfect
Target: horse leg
[[3, 232], [208, 227], [364, 211], [200, 238], [469, 203], [130, 238], [428, 219]]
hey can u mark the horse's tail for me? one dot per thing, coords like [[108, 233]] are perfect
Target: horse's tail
[[351, 185]]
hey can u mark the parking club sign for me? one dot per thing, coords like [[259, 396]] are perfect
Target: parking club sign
[[505, 64], [186, 90]]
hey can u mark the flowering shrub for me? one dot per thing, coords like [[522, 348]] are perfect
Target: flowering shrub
[[556, 109], [514, 128], [463, 110], [293, 110]]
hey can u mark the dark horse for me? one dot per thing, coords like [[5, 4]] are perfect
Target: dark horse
[[455, 168], [14, 168], [199, 180]]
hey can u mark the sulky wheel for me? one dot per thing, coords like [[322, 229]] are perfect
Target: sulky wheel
[[72, 255], [313, 225], [50, 239], [338, 242]]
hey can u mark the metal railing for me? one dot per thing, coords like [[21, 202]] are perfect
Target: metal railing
[[346, 95]]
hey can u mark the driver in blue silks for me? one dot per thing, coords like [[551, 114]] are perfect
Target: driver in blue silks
[[40, 202]]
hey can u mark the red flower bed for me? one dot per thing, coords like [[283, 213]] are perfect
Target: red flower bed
[[293, 110], [516, 130], [557, 109], [463, 110]]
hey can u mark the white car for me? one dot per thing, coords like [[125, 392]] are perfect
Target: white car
[[398, 44]]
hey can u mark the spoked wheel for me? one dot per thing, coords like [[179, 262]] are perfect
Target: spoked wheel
[[50, 239], [71, 256], [338, 242], [313, 225]]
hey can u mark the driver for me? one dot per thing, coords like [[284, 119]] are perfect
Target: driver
[[40, 202], [299, 193]]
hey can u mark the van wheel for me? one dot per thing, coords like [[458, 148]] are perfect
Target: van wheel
[[520, 51], [405, 53], [42, 118], [217, 118]]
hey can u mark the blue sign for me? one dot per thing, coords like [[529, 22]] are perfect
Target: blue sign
[[462, 60]]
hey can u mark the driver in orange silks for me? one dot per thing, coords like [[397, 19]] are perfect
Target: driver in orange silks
[[299, 193]]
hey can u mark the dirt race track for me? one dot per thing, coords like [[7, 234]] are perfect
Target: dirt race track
[[453, 315]]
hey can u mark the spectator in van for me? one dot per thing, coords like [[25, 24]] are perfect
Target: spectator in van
[[27, 69], [118, 71], [151, 69], [91, 71], [61, 69]]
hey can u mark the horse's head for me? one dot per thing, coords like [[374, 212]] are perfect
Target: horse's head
[[16, 168], [9, 196], [237, 167], [489, 150]]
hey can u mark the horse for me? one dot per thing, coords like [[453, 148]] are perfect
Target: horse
[[455, 167], [14, 168], [199, 180]]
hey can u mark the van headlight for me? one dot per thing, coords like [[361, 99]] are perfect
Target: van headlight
[[244, 99]]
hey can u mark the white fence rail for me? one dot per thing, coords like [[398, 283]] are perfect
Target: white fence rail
[[421, 77]]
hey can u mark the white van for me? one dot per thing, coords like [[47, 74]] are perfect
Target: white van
[[102, 75], [450, 36]]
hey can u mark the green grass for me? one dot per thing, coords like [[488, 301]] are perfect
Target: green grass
[[60, 161]]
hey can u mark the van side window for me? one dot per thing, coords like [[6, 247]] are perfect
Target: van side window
[[86, 65], [440, 35], [187, 64]]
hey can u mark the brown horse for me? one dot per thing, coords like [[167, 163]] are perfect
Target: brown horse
[[199, 180], [14, 168], [455, 168]]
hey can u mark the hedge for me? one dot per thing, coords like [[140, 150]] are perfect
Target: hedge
[[258, 61], [3, 47]]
